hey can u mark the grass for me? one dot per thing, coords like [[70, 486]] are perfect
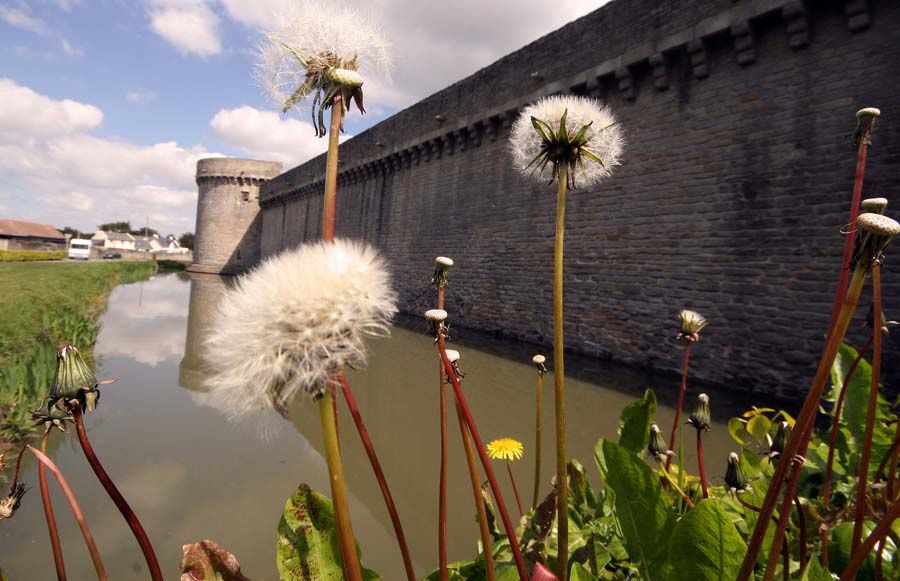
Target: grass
[[30, 255], [41, 306]]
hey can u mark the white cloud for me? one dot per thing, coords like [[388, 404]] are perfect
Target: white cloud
[[80, 179], [140, 96], [19, 18], [266, 135], [190, 25], [69, 48]]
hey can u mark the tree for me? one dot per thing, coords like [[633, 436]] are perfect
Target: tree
[[123, 227], [145, 232], [74, 232], [186, 240]]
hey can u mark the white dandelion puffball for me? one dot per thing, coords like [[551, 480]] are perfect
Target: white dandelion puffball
[[604, 137], [313, 32], [292, 323]]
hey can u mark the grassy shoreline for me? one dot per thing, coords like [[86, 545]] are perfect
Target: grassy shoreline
[[42, 305]]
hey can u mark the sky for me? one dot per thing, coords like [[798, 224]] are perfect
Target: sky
[[106, 105]]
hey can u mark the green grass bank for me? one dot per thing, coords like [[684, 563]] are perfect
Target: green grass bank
[[41, 306]]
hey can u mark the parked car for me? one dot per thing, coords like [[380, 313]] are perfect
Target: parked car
[[112, 256], [79, 249]]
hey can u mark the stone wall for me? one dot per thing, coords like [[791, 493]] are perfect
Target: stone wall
[[731, 199]]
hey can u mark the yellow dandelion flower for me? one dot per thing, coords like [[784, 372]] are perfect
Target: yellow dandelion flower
[[505, 449]]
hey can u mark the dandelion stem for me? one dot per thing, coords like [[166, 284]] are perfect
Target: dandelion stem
[[704, 484], [76, 510], [352, 571], [804, 423], [476, 491], [379, 474], [858, 556], [676, 425], [116, 496], [537, 440], [512, 479], [562, 486], [485, 461], [331, 169], [442, 485], [836, 423], [801, 518], [668, 478], [862, 482], [894, 457], [48, 513]]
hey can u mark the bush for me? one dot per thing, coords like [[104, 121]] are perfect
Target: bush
[[30, 255]]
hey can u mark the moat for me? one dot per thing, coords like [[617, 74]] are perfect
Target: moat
[[192, 474]]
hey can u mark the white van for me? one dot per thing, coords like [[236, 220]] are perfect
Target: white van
[[79, 249]]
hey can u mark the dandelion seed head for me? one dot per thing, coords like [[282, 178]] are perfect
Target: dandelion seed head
[[873, 205], [314, 33], [538, 359], [289, 325], [878, 224], [436, 315], [604, 136], [452, 355]]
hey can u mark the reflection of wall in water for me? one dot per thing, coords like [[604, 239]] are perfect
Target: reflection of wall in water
[[205, 292]]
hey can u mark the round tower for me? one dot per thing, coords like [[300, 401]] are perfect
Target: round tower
[[229, 224]]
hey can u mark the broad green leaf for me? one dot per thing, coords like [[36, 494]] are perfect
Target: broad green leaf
[[815, 571], [578, 572], [738, 430], [758, 426], [634, 424], [207, 561], [3, 576], [705, 545], [839, 552], [307, 547], [642, 508]]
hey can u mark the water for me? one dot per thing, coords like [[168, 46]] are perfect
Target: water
[[191, 474]]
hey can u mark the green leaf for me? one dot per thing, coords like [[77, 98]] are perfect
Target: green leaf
[[738, 430], [634, 424], [579, 573], [207, 561], [642, 508], [307, 547], [815, 571], [758, 426], [705, 544], [839, 552]]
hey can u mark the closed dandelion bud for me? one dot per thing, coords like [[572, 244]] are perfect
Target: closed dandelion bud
[[873, 205], [691, 323], [73, 376], [657, 447], [782, 435], [12, 502], [453, 357], [876, 232], [700, 417], [436, 318], [343, 77], [442, 266], [734, 475], [865, 124], [538, 361]]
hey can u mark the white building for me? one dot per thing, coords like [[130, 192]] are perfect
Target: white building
[[113, 240]]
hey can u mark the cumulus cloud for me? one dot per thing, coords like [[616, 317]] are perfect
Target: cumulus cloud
[[189, 25], [81, 179], [266, 135]]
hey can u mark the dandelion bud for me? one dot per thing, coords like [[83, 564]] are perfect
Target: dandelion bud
[[10, 504], [700, 417], [51, 416], [873, 205], [780, 440], [876, 232], [442, 266], [343, 77], [734, 475], [865, 124], [73, 376], [538, 361], [436, 318], [657, 447], [692, 323]]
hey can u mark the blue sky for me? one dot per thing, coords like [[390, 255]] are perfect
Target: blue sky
[[108, 104]]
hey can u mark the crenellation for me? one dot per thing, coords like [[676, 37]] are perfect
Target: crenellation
[[796, 17]]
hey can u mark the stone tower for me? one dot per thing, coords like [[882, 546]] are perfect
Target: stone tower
[[229, 223]]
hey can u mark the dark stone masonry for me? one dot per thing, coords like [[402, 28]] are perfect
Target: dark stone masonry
[[735, 186]]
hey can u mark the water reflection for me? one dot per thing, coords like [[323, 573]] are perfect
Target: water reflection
[[191, 474]]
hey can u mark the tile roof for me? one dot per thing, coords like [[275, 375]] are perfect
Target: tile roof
[[29, 230]]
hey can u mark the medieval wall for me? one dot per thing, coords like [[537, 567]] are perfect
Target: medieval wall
[[734, 189]]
